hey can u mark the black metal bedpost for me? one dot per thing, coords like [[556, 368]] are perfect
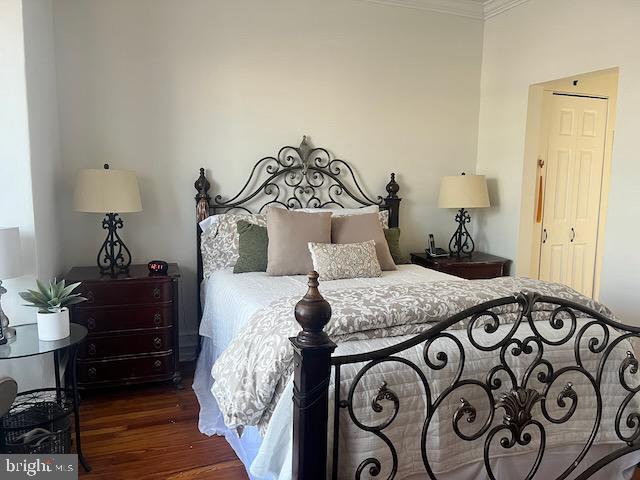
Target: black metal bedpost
[[392, 201], [202, 186], [312, 363]]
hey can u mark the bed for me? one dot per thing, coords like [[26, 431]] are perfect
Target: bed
[[450, 379]]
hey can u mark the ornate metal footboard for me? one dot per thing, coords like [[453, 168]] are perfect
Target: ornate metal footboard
[[516, 404]]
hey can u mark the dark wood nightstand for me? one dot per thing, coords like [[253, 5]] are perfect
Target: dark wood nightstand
[[133, 326], [479, 265]]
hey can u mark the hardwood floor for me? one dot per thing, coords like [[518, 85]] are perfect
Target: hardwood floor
[[151, 432]]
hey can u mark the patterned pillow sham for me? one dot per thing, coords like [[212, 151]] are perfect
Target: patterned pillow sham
[[219, 242], [383, 215], [348, 260]]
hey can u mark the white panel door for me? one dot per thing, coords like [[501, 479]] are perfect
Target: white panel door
[[574, 162]]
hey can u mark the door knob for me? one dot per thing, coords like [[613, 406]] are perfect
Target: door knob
[[573, 234], [544, 235]]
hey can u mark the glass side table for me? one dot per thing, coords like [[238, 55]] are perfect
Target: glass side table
[[27, 344]]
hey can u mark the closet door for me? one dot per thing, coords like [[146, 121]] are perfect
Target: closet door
[[587, 184], [572, 194]]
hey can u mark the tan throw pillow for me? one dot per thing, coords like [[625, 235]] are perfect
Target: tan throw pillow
[[349, 260], [289, 235], [362, 228]]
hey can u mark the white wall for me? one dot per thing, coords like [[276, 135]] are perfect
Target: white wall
[[28, 153], [16, 203], [164, 87], [44, 137], [544, 40]]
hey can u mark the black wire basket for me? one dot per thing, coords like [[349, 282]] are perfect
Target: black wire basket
[[38, 422]]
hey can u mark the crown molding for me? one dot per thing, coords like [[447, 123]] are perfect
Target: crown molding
[[476, 9], [496, 7], [461, 8]]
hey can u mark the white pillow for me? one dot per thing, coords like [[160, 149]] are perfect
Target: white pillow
[[207, 222], [383, 215], [334, 261], [342, 212]]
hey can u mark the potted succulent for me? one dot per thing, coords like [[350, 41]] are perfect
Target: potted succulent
[[52, 303]]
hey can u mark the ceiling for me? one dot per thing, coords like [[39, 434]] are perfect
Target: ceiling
[[478, 9]]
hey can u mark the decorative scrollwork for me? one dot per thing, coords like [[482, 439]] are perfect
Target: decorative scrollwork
[[385, 393], [374, 467], [517, 405], [113, 257], [520, 359], [461, 242], [628, 365], [297, 177], [465, 409]]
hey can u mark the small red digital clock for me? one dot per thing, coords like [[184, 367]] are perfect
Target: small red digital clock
[[158, 267]]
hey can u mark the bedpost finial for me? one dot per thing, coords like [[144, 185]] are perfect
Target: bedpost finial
[[303, 151], [392, 187], [313, 312], [202, 185]]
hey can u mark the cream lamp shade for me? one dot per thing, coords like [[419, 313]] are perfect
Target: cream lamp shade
[[107, 191], [10, 253], [464, 191]]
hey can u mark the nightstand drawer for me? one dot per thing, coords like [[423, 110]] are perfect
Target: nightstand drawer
[[124, 293], [476, 272], [123, 319], [128, 370], [472, 267], [131, 344], [133, 322]]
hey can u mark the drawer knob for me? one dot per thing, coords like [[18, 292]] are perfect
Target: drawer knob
[[157, 365], [156, 292], [157, 319], [91, 323], [92, 349], [92, 372], [90, 296], [157, 343]]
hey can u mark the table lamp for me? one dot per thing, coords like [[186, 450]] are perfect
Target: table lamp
[[110, 192], [463, 192], [10, 267]]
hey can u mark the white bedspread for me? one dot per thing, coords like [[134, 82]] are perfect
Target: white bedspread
[[230, 299], [229, 302]]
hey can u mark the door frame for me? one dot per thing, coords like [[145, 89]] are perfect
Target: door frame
[[602, 84]]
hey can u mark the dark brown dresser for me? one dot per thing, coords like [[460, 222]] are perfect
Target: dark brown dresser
[[133, 326], [478, 265]]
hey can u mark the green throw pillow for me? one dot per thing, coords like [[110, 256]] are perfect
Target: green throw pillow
[[252, 247], [392, 236]]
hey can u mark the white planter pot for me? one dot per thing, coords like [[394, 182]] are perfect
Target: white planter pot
[[53, 326]]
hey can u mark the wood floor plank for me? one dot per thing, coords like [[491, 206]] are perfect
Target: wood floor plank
[[151, 432]]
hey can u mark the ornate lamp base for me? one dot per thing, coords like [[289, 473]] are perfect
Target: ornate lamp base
[[114, 257], [6, 332], [461, 243]]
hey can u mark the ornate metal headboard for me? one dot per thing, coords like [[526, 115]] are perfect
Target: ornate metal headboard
[[297, 177]]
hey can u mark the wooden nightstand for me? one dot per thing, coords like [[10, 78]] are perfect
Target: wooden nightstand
[[479, 265], [133, 326]]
